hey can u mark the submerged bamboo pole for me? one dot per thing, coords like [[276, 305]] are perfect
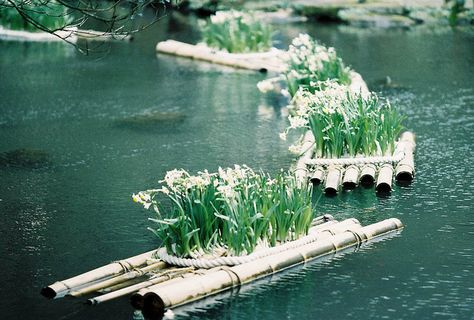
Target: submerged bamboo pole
[[61, 288], [318, 175], [405, 169], [384, 178], [333, 180], [351, 175], [367, 175], [196, 287]]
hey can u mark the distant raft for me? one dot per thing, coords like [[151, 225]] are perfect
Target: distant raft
[[259, 61], [348, 173], [157, 285]]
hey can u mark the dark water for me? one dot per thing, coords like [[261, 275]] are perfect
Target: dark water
[[74, 213]]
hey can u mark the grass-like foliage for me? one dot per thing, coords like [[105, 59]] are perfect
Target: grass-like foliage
[[232, 210], [308, 62], [48, 14], [344, 123], [236, 32]]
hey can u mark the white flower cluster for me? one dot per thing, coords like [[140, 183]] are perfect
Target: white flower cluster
[[221, 17], [307, 56], [329, 99]]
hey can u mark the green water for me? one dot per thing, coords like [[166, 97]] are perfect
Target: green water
[[75, 212]]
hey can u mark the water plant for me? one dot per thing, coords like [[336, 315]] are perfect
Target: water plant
[[344, 123], [236, 32], [48, 14], [228, 212], [308, 62]]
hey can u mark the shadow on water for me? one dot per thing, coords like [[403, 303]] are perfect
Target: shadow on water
[[25, 158], [152, 121]]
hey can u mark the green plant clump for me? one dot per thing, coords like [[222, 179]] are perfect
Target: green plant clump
[[309, 62], [48, 14], [344, 123], [233, 210], [236, 32]]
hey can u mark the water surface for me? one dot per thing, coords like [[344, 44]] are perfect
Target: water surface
[[75, 212]]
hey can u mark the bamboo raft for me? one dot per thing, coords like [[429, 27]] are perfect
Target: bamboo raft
[[261, 61], [155, 285], [348, 173]]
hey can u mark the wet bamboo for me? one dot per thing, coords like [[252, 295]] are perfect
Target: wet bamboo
[[367, 175], [333, 180], [193, 288], [301, 169], [317, 177], [162, 277], [119, 279], [405, 169], [61, 288], [351, 175], [327, 229], [384, 178]]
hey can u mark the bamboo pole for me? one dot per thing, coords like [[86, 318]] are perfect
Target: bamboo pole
[[405, 169], [253, 61], [333, 180], [159, 278], [301, 169], [384, 178], [367, 175], [351, 175], [118, 279], [193, 288], [61, 288], [318, 175]]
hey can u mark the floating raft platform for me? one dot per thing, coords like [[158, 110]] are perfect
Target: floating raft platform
[[156, 285], [348, 173], [260, 61]]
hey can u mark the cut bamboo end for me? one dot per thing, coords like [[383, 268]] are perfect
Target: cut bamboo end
[[367, 175], [405, 169], [351, 175], [317, 177], [384, 179], [333, 181]]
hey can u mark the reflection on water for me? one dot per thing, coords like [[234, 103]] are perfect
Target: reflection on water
[[77, 214]]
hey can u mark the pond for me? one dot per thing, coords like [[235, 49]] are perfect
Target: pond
[[71, 210]]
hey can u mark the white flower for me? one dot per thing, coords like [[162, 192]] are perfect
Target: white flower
[[147, 205], [297, 122], [295, 149], [136, 198], [283, 136], [226, 191]]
